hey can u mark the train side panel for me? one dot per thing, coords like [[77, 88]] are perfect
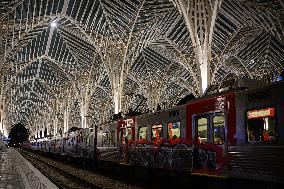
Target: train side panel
[[161, 140], [259, 152]]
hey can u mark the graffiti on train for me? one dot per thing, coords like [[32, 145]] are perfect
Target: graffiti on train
[[205, 159], [165, 157]]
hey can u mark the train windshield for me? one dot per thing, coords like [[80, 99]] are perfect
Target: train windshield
[[261, 125]]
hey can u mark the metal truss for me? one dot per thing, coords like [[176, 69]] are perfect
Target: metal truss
[[76, 63]]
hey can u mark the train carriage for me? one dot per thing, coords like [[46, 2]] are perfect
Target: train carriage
[[259, 151], [239, 134], [159, 138], [236, 133]]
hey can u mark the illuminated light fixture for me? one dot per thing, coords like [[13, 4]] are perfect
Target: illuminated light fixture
[[53, 24]]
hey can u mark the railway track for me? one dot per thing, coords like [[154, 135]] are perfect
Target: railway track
[[60, 177], [68, 177]]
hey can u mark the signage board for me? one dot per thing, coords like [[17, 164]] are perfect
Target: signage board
[[268, 112]]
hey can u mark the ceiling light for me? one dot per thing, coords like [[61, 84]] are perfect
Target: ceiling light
[[53, 24]]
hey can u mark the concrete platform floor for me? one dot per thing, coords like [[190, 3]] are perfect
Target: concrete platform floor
[[17, 173]]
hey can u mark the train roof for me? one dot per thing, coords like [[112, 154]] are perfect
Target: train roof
[[236, 90], [267, 86]]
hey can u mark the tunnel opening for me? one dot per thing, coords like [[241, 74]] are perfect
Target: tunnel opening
[[18, 134]]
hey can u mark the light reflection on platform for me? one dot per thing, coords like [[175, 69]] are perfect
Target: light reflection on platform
[[17, 173]]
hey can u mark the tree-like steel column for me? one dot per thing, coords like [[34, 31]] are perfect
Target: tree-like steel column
[[83, 103], [42, 129], [200, 17], [66, 112], [66, 119], [55, 120], [2, 126], [118, 56], [49, 119], [153, 98], [117, 68], [36, 132], [4, 122], [3, 129]]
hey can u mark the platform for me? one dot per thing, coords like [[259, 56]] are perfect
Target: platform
[[17, 173]]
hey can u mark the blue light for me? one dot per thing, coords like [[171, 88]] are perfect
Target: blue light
[[279, 78]]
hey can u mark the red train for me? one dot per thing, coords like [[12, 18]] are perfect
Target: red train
[[237, 133], [231, 134]]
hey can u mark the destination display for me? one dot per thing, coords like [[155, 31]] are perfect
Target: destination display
[[269, 112]]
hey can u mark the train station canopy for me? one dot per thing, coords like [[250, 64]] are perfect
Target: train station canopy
[[76, 63]]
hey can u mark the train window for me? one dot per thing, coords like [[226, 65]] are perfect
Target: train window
[[261, 126], [174, 132], [112, 138], [202, 130], [156, 133], [127, 132], [142, 134], [219, 130]]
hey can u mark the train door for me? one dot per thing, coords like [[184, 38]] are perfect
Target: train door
[[126, 131], [210, 144], [124, 135]]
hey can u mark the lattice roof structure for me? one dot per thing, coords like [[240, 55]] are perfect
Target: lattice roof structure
[[63, 61]]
